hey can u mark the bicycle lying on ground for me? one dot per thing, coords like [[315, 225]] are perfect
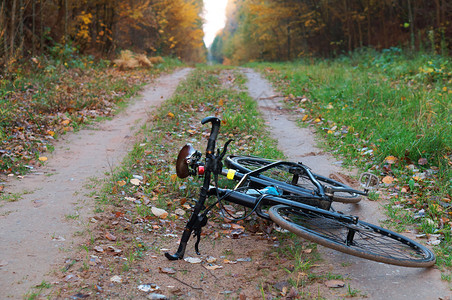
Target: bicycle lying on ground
[[293, 197]]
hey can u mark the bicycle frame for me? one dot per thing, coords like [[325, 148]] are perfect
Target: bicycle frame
[[213, 166]]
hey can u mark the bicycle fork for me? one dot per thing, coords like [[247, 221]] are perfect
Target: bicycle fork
[[194, 225]]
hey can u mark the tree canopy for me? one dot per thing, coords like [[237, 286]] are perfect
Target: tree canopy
[[154, 27], [285, 30]]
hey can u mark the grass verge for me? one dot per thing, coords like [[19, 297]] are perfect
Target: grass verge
[[389, 114]]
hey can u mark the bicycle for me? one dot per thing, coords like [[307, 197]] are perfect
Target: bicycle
[[298, 200]]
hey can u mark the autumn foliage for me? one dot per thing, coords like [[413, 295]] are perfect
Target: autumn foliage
[[100, 27], [284, 30]]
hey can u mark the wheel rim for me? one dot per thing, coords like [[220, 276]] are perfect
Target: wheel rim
[[282, 173], [368, 241]]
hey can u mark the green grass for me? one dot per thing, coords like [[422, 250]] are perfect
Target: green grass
[[11, 197], [371, 106]]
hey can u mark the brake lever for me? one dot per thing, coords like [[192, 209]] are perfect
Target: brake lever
[[225, 149]]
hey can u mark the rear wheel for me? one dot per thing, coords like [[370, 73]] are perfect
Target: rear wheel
[[353, 237], [285, 174]]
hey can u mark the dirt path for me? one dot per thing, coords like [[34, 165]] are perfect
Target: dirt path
[[376, 280], [37, 230], [43, 228]]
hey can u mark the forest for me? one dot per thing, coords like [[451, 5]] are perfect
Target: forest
[[101, 27], [256, 30], [278, 30]]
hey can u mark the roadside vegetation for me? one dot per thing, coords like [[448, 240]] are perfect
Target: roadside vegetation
[[46, 96], [388, 113]]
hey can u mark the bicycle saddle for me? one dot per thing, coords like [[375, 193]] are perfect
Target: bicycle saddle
[[182, 162]]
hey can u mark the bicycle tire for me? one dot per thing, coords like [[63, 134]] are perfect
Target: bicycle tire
[[247, 164], [370, 241]]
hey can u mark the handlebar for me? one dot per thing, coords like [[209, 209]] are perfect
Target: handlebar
[[213, 134]]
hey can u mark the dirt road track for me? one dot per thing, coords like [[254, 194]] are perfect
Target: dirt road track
[[37, 230], [376, 280]]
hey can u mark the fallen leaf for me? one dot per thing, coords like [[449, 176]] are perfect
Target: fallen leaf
[[167, 270], [193, 260], [70, 277], [211, 259], [227, 261], [116, 279], [114, 250], [391, 159], [334, 283], [94, 260], [98, 249], [245, 259], [58, 238], [422, 161], [388, 179], [237, 227], [158, 212], [213, 267], [135, 181], [110, 236]]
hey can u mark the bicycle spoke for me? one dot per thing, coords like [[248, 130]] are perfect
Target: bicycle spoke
[[355, 236]]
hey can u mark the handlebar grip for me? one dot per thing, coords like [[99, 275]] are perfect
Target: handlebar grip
[[214, 120], [213, 134]]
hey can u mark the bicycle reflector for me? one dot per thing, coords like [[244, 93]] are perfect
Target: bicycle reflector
[[201, 170], [230, 174]]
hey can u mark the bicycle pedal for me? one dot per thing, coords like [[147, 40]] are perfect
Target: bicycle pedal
[[369, 180]]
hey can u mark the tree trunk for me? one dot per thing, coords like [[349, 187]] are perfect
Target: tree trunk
[[41, 42], [411, 20], [288, 43], [369, 32], [66, 18], [3, 35], [13, 29], [21, 27], [33, 35]]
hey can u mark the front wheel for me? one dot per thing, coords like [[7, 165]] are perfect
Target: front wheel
[[284, 173], [350, 236]]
